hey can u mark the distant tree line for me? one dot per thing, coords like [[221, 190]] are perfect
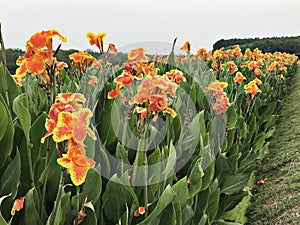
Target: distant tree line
[[63, 55], [273, 44]]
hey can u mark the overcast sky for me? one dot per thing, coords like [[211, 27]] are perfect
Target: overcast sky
[[133, 21]]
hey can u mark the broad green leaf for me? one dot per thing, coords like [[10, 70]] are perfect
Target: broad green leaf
[[168, 216], [23, 115], [116, 198], [259, 142], [195, 179], [12, 87], [31, 213], [231, 117], [165, 199], [234, 184], [10, 179], [3, 120], [213, 205], [2, 220], [7, 140], [91, 189], [182, 192], [202, 204], [37, 131], [90, 218], [171, 161]]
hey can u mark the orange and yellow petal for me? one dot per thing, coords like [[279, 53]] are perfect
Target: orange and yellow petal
[[64, 128]]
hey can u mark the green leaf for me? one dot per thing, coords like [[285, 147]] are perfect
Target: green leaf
[[2, 220], [12, 87], [92, 187], [260, 140], [31, 214], [168, 216], [165, 199], [213, 205], [234, 184], [7, 140], [37, 131], [116, 198], [231, 117], [11, 177], [181, 190], [23, 115], [195, 179], [90, 218], [3, 120]]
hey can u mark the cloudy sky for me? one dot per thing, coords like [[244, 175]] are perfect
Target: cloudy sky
[[131, 22]]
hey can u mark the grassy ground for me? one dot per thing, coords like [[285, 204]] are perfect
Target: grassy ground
[[277, 200]]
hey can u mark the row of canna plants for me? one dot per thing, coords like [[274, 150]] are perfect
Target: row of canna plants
[[158, 140]]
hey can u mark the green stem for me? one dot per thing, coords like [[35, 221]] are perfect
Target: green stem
[[77, 204], [58, 198]]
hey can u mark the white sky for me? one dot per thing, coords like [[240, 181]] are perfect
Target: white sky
[[130, 21]]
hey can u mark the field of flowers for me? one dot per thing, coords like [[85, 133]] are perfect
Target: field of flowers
[[158, 140]]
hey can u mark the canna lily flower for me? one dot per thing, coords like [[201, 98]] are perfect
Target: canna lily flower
[[18, 205], [257, 81], [93, 80], [138, 55], [216, 88], [82, 59], [76, 162], [258, 72], [38, 55], [281, 77], [186, 47], [176, 76], [221, 104], [112, 48], [219, 95], [153, 92], [73, 125], [252, 88], [239, 77], [232, 68], [114, 93], [124, 79], [43, 39], [68, 119], [96, 39]]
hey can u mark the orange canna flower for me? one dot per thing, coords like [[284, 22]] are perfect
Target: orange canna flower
[[258, 72], [137, 54], [93, 80], [68, 119], [43, 39], [221, 104], [114, 93], [96, 39], [216, 88], [186, 47], [112, 48], [82, 59], [124, 79], [73, 125], [232, 68], [257, 81], [176, 76], [252, 88], [154, 91], [18, 205], [76, 162], [239, 77]]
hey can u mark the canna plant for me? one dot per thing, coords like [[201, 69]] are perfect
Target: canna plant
[[151, 142]]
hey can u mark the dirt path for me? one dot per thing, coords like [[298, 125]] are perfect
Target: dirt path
[[277, 200]]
